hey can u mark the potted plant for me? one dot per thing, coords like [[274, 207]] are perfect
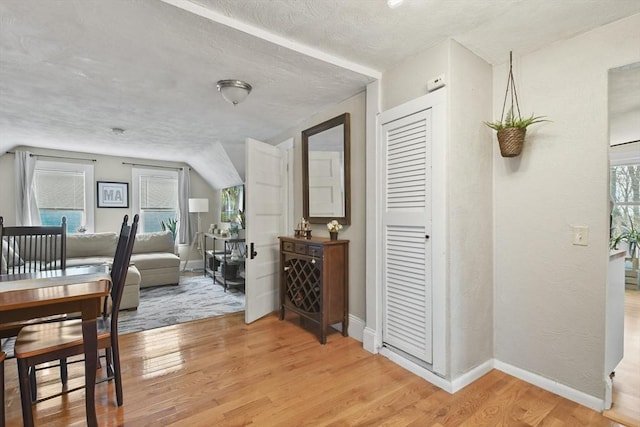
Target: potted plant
[[511, 132], [631, 235], [170, 224], [512, 129], [334, 226]]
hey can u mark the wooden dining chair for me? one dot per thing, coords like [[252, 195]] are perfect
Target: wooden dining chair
[[2, 357], [48, 342], [27, 249], [33, 248]]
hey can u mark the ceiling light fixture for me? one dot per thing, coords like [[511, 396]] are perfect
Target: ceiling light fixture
[[117, 131], [234, 91], [394, 3]]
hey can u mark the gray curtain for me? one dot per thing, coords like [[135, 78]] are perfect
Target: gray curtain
[[27, 212], [186, 231]]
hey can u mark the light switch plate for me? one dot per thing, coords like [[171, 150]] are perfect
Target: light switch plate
[[581, 235]]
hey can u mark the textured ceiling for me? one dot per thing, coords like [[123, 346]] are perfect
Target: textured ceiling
[[71, 70]]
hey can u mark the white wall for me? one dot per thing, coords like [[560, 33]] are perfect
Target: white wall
[[408, 79], [106, 168], [356, 231], [469, 275], [550, 294], [470, 208]]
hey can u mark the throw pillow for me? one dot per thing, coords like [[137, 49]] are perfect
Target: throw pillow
[[12, 257]]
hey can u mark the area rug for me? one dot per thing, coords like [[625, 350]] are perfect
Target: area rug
[[194, 298]]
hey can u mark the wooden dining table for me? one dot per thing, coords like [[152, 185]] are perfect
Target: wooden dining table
[[30, 296]]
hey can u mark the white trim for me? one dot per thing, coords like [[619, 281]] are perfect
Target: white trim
[[287, 146], [370, 341], [552, 386], [356, 328], [273, 38], [372, 338], [418, 370], [450, 386], [608, 393], [470, 376]]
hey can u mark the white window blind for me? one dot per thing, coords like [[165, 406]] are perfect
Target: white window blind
[[59, 189], [65, 189]]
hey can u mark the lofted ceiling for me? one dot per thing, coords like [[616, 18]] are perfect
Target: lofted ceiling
[[71, 70]]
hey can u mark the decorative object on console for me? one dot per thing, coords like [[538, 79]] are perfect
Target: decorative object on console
[[334, 226], [234, 91], [511, 129], [303, 230]]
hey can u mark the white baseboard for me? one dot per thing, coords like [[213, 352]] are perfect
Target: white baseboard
[[418, 370], [470, 376], [552, 386], [457, 384], [356, 327], [370, 341]]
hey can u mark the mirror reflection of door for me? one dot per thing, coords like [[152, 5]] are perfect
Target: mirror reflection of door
[[325, 184]]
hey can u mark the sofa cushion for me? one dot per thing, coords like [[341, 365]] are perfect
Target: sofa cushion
[[154, 242], [91, 245], [155, 260], [89, 260]]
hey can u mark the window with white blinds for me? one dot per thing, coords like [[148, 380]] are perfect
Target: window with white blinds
[[155, 197], [65, 189]]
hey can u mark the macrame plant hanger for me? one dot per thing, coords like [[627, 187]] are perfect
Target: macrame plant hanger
[[511, 137], [511, 87]]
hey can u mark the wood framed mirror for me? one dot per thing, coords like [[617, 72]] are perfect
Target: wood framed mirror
[[326, 178]]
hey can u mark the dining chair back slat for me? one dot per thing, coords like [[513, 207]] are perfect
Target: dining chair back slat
[[26, 249]]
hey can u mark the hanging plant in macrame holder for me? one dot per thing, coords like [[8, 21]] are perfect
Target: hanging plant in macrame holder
[[512, 128]]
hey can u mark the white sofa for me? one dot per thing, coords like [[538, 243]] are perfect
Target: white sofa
[[153, 260]]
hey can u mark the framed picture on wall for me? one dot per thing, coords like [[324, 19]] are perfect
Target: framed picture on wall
[[113, 194]]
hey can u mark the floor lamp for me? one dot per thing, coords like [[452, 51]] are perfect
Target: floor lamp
[[196, 206]]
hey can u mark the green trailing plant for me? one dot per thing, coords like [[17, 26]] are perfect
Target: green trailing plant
[[511, 121], [241, 218], [170, 224], [234, 228], [631, 235]]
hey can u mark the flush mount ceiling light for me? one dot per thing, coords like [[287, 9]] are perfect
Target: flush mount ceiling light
[[234, 91], [394, 3]]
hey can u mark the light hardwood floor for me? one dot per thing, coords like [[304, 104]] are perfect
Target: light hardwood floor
[[626, 383], [221, 372]]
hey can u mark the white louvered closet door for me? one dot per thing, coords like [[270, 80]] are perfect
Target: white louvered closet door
[[406, 221]]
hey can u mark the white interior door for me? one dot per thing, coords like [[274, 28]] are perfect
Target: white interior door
[[406, 228], [265, 195]]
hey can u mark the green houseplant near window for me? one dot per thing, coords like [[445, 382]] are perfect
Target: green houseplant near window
[[170, 224], [511, 128]]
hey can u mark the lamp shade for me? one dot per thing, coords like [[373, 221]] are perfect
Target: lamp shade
[[198, 205]]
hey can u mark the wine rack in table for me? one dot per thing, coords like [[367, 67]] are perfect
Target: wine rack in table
[[314, 281]]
